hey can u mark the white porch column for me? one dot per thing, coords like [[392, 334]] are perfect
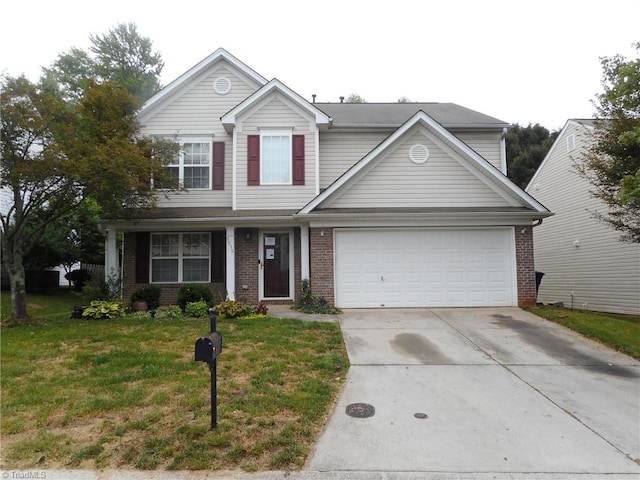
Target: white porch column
[[305, 272], [231, 263], [111, 264]]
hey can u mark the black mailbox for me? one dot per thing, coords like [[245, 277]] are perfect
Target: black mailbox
[[208, 347]]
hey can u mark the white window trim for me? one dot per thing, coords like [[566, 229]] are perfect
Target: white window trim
[[180, 258], [571, 143], [181, 165], [277, 132]]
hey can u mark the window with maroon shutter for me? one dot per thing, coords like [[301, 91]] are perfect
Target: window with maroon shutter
[[218, 166], [253, 159], [142, 257], [298, 159]]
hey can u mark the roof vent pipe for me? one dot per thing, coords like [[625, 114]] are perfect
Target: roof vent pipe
[[313, 95], [341, 99]]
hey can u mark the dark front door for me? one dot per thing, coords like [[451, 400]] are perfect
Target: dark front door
[[275, 255]]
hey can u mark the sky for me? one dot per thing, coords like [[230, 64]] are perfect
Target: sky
[[535, 61]]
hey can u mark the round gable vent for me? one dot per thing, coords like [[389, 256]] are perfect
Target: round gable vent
[[222, 85], [419, 154]]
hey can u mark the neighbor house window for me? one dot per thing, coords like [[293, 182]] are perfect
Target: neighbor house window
[[180, 257]]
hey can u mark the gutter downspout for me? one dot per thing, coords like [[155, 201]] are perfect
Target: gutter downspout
[[503, 151]]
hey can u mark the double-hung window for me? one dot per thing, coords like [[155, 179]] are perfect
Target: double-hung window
[[180, 257], [276, 157], [192, 167]]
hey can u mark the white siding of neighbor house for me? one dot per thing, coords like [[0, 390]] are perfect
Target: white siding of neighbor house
[[276, 112], [487, 144], [196, 112], [339, 151], [394, 181], [600, 273]]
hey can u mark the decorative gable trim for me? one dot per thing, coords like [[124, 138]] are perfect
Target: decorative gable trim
[[230, 118], [187, 77], [450, 143]]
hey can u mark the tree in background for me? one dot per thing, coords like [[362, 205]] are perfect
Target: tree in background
[[612, 165], [355, 98], [526, 148], [122, 57]]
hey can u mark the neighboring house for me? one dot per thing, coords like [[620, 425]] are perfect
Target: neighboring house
[[379, 205], [585, 264]]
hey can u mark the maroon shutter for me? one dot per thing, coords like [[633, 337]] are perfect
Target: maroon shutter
[[218, 255], [298, 159], [253, 159], [143, 240], [218, 166]]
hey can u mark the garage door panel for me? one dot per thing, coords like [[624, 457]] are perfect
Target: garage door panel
[[428, 267]]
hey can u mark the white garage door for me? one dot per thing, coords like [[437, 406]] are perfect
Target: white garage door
[[425, 268]]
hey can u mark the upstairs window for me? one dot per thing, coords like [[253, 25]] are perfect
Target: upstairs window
[[199, 165], [275, 157]]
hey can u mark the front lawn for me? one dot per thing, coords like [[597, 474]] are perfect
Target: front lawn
[[621, 332], [128, 393]]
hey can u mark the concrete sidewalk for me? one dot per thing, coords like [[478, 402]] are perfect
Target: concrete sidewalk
[[481, 391]]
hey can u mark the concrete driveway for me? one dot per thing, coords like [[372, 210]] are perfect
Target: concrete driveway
[[480, 393]]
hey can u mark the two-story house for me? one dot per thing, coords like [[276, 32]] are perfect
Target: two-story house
[[379, 205]]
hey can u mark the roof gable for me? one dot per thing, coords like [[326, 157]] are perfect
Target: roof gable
[[263, 94], [448, 143], [169, 92], [570, 125]]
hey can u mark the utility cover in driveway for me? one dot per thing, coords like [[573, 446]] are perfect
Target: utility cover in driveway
[[425, 267]]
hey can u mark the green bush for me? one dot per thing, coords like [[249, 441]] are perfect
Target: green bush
[[194, 292], [233, 309], [196, 309], [149, 294], [174, 312], [99, 309], [309, 303], [78, 278]]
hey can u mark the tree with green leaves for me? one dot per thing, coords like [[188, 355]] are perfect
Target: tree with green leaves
[[122, 57], [612, 164], [57, 154], [526, 148], [355, 98]]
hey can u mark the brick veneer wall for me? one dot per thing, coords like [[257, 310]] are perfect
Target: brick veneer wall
[[321, 253], [246, 264], [168, 292], [525, 269]]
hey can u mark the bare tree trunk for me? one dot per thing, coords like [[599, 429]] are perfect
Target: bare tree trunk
[[17, 279]]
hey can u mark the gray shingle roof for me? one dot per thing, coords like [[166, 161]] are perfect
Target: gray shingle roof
[[392, 115]]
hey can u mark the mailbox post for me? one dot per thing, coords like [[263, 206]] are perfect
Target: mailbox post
[[207, 349]]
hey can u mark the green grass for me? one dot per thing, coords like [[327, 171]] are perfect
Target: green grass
[[54, 305], [127, 392], [621, 332]]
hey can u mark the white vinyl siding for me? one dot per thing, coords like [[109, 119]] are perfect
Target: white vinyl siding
[[487, 144], [275, 113], [394, 181], [339, 151], [600, 273], [197, 111]]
